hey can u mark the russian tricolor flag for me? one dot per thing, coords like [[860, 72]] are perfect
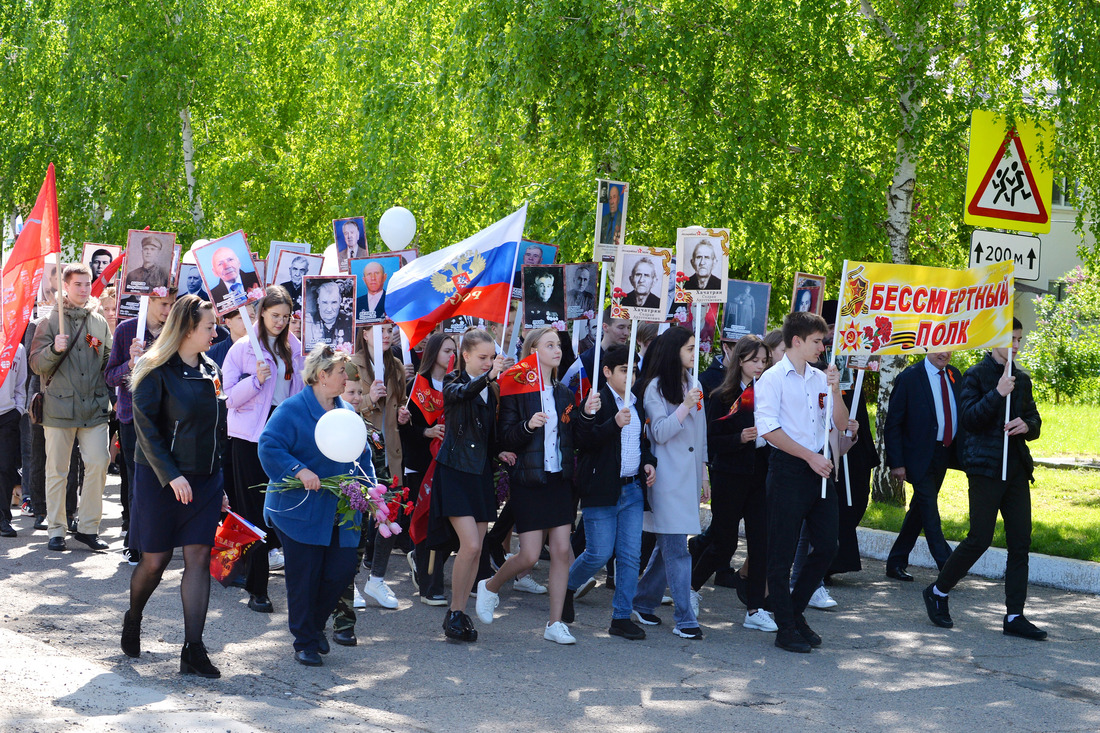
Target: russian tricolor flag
[[471, 278]]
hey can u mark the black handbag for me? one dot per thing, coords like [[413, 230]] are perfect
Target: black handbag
[[35, 407]]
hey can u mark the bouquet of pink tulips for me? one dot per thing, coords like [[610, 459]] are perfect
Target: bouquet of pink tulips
[[357, 495]]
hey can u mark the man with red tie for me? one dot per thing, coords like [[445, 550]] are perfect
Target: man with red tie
[[921, 427]]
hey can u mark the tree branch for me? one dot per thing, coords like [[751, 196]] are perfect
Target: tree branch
[[868, 12]]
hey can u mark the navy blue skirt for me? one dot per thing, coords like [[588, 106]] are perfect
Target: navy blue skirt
[[463, 494], [160, 523]]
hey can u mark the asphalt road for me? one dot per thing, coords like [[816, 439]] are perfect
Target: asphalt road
[[883, 666]]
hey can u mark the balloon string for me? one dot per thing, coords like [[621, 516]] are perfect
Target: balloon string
[[303, 501]]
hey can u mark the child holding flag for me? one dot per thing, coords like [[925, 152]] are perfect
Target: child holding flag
[[464, 492], [739, 469], [536, 421]]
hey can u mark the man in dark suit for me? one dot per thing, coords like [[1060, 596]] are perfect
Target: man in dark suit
[[922, 427], [370, 303], [234, 286], [702, 261], [643, 276]]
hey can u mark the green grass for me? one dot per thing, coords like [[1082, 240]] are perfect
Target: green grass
[[1065, 508], [1068, 430]]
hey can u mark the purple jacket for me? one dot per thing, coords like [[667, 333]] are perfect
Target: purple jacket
[[249, 401]]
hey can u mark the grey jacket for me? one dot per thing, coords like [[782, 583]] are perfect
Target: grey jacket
[[681, 451]]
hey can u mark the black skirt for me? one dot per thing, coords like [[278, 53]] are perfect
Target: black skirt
[[463, 494], [160, 523], [543, 507]]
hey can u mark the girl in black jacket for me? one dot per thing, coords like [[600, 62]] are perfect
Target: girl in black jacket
[[738, 470], [463, 490], [180, 414], [538, 427]]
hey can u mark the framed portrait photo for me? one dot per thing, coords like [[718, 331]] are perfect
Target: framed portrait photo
[[544, 296], [371, 274], [611, 200], [328, 309], [291, 270], [127, 306], [99, 257], [531, 253], [702, 257], [581, 281], [808, 294], [746, 309], [228, 272], [151, 263], [641, 283], [351, 240], [191, 282], [273, 256]]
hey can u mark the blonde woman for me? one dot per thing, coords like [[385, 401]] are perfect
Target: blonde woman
[[180, 415]]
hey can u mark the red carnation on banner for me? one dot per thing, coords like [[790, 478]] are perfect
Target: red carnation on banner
[[618, 293], [885, 328], [522, 378], [681, 277]]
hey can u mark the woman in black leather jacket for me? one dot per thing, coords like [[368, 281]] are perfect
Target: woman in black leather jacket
[[180, 415], [538, 426], [463, 492]]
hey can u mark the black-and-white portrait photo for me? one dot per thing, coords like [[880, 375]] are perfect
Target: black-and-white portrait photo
[[273, 252], [703, 264], [149, 265], [642, 283], [328, 306], [291, 269], [543, 295], [746, 309], [581, 281]]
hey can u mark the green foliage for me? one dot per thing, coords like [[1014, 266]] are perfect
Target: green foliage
[[1063, 350]]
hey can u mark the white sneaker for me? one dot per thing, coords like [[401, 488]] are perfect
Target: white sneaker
[[275, 559], [666, 600], [761, 621], [379, 591], [821, 599], [695, 598], [359, 601], [527, 584], [487, 602], [559, 633], [585, 587]]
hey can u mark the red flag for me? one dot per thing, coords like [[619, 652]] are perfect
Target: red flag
[[418, 524], [23, 270], [522, 378], [428, 399], [745, 402], [101, 282]]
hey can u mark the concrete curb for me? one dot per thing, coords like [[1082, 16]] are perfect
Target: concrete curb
[[1063, 573]]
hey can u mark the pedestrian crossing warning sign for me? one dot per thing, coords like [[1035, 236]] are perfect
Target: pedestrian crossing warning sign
[[1008, 179]]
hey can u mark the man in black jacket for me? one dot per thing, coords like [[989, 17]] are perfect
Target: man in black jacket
[[986, 386], [922, 428], [614, 470]]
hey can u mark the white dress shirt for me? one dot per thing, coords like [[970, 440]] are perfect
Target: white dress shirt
[[793, 402], [630, 438], [551, 456], [937, 397]]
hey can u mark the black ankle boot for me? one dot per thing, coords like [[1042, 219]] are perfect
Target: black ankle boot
[[194, 660], [131, 635]]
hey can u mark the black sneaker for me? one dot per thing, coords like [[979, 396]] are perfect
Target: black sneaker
[[626, 628], [1023, 628], [6, 530], [131, 635], [694, 633], [40, 522], [647, 619], [789, 639], [937, 609], [567, 612], [91, 540], [808, 634], [133, 557], [57, 544]]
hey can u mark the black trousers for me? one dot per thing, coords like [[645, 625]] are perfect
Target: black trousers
[[429, 584], [988, 496], [736, 496], [9, 461], [794, 497], [923, 514], [127, 443], [847, 558], [248, 474]]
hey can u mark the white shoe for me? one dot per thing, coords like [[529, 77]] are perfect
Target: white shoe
[[821, 599], [487, 602], [527, 584], [761, 621], [666, 600], [275, 559], [559, 633], [585, 587], [379, 591], [695, 598], [359, 601]]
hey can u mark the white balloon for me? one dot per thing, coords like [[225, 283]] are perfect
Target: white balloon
[[331, 264], [341, 435], [397, 227]]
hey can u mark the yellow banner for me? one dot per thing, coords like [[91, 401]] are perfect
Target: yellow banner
[[906, 309]]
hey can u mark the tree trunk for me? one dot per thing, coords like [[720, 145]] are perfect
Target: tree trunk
[[189, 169], [899, 212]]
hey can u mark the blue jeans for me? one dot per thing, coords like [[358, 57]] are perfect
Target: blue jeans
[[613, 530], [669, 567]]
